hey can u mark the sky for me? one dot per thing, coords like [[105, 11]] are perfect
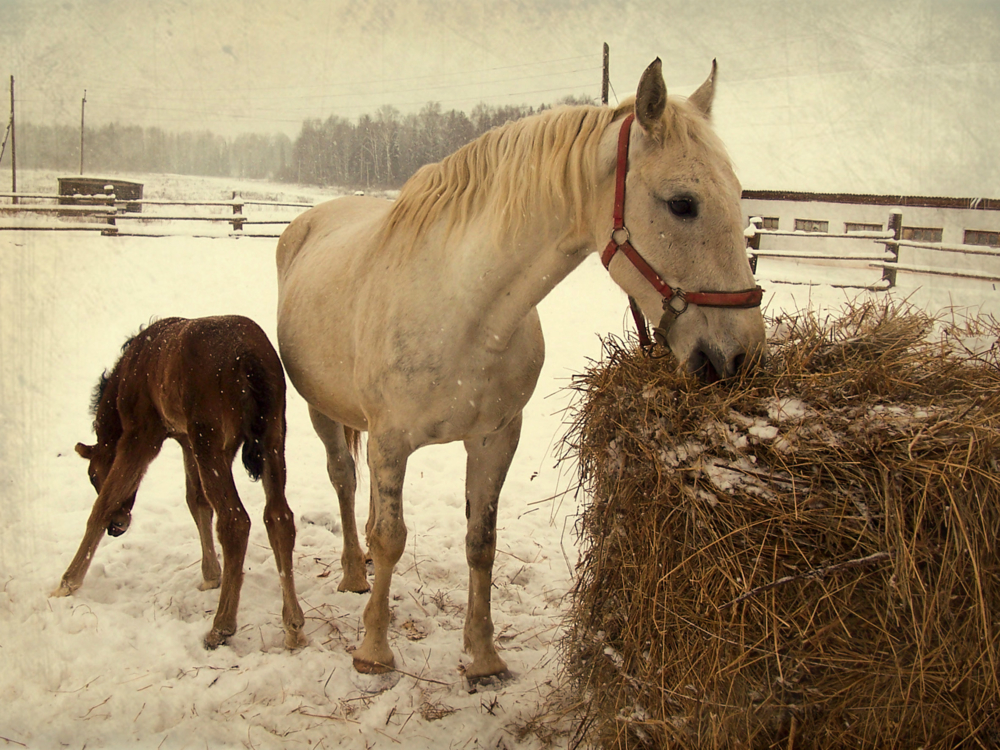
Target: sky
[[897, 96]]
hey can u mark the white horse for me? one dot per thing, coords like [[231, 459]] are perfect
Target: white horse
[[416, 320]]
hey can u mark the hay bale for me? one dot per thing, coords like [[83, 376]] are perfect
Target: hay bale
[[807, 559]]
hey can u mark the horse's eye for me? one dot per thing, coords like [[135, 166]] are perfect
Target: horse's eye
[[684, 208]]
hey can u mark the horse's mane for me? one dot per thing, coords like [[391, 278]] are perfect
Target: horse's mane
[[523, 166], [526, 166], [102, 384]]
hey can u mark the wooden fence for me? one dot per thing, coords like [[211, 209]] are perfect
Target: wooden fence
[[890, 259], [111, 217]]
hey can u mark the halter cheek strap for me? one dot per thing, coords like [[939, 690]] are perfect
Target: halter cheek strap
[[675, 301]]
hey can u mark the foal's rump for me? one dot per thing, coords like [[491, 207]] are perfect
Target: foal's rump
[[233, 376]]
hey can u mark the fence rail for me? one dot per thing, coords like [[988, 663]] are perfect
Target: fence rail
[[888, 260], [111, 216], [110, 213]]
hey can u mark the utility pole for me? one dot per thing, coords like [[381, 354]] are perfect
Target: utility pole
[[13, 146], [606, 78], [83, 104]]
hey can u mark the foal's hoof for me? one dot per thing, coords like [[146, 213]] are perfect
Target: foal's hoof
[[207, 585], [216, 638], [63, 590], [119, 524]]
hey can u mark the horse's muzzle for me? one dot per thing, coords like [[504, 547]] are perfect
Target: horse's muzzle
[[710, 365], [119, 524]]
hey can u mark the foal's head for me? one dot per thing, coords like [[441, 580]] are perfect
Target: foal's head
[[683, 215], [101, 455]]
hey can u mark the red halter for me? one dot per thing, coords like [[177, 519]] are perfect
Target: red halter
[[745, 298]]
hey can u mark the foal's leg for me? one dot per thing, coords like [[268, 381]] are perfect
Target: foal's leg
[[486, 468], [280, 524], [387, 454], [340, 467], [233, 525], [134, 454], [201, 511]]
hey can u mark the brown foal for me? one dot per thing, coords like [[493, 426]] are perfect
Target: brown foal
[[211, 384]]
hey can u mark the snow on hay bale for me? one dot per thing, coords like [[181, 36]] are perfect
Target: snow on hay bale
[[807, 559]]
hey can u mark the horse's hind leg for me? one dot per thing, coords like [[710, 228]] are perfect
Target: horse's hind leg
[[280, 523], [118, 490], [341, 469], [387, 455], [486, 468], [201, 511], [233, 526]]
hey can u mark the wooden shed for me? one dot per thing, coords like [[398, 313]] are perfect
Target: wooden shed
[[123, 190]]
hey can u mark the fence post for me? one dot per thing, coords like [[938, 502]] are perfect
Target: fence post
[[752, 234], [896, 227], [110, 201], [237, 212]]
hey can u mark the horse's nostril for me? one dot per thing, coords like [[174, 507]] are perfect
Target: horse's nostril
[[701, 365], [739, 361]]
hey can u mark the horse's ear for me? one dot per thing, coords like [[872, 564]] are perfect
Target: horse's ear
[[651, 100], [702, 98], [86, 451]]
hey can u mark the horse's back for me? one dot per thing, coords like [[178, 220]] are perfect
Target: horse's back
[[199, 370], [329, 226]]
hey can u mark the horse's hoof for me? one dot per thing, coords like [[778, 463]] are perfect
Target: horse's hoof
[[216, 638], [373, 683], [209, 585], [363, 666], [496, 681], [295, 639], [354, 586], [63, 590]]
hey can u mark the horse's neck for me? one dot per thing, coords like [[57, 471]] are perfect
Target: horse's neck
[[107, 420], [527, 263]]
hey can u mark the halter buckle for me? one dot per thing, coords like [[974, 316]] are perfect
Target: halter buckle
[[668, 303], [670, 315]]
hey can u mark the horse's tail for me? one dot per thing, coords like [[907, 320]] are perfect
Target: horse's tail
[[262, 398], [353, 438]]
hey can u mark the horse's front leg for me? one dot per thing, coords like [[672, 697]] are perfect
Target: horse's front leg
[[387, 455], [486, 468], [119, 490]]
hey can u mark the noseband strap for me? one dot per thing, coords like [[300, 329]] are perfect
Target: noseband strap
[[675, 301]]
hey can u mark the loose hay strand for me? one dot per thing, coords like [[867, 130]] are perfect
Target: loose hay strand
[[807, 558]]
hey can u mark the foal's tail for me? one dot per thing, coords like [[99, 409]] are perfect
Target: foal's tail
[[264, 398]]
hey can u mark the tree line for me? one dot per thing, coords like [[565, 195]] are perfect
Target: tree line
[[377, 150], [120, 148]]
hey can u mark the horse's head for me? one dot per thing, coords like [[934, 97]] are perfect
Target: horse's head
[[682, 217], [101, 458]]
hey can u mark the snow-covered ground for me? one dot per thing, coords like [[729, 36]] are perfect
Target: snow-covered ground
[[121, 662]]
